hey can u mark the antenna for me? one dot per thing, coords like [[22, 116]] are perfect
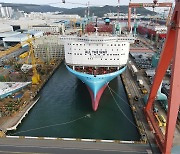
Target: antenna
[[87, 10], [118, 11]]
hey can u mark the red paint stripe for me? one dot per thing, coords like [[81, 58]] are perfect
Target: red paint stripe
[[95, 101]]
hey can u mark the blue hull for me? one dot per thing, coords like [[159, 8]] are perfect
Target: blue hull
[[96, 84]]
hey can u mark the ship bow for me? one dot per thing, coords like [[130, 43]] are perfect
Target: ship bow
[[96, 84]]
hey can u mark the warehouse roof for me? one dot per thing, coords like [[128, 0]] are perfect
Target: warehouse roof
[[8, 34], [18, 37]]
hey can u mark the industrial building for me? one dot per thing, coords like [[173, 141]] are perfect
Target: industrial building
[[4, 27], [13, 40], [53, 29], [8, 34], [34, 33], [6, 12], [52, 15]]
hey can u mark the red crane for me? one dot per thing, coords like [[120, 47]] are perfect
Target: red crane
[[170, 53], [140, 5]]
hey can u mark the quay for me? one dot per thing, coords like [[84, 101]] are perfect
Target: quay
[[56, 145], [137, 107], [11, 123]]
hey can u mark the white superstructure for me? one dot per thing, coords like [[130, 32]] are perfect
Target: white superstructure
[[96, 50]]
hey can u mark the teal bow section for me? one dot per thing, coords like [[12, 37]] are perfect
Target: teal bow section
[[95, 83]]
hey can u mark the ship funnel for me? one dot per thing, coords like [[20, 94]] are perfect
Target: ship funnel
[[107, 21]]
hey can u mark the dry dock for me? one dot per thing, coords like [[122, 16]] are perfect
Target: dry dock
[[12, 122]]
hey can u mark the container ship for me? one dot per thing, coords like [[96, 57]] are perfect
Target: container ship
[[96, 59], [152, 29]]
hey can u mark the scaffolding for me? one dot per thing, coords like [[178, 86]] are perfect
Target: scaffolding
[[49, 48]]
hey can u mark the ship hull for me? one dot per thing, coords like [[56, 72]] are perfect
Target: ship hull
[[96, 84], [145, 31], [142, 30]]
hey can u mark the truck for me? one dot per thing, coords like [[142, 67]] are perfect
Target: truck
[[158, 120], [155, 109], [140, 82], [162, 119], [144, 91]]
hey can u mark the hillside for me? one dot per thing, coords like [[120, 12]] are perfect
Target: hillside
[[98, 11], [33, 7]]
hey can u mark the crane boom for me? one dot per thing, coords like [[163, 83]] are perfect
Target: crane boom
[[139, 5], [153, 5], [36, 76], [16, 47]]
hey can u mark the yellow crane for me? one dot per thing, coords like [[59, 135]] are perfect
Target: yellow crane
[[30, 54], [36, 76], [16, 47], [73, 23]]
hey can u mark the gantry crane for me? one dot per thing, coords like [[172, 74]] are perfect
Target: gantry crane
[[170, 53], [153, 5]]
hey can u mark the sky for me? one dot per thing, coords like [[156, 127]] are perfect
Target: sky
[[68, 4]]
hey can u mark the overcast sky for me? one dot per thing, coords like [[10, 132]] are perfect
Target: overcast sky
[[68, 5]]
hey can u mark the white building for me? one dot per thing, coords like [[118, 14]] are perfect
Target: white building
[[13, 40], [52, 29], [35, 34], [6, 12], [26, 23], [5, 27], [52, 15], [8, 34]]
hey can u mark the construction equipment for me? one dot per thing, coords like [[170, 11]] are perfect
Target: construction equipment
[[170, 53], [144, 91], [23, 55], [16, 47], [26, 67], [30, 53], [73, 23], [153, 5], [36, 76]]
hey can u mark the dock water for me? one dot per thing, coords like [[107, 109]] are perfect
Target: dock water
[[64, 110]]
